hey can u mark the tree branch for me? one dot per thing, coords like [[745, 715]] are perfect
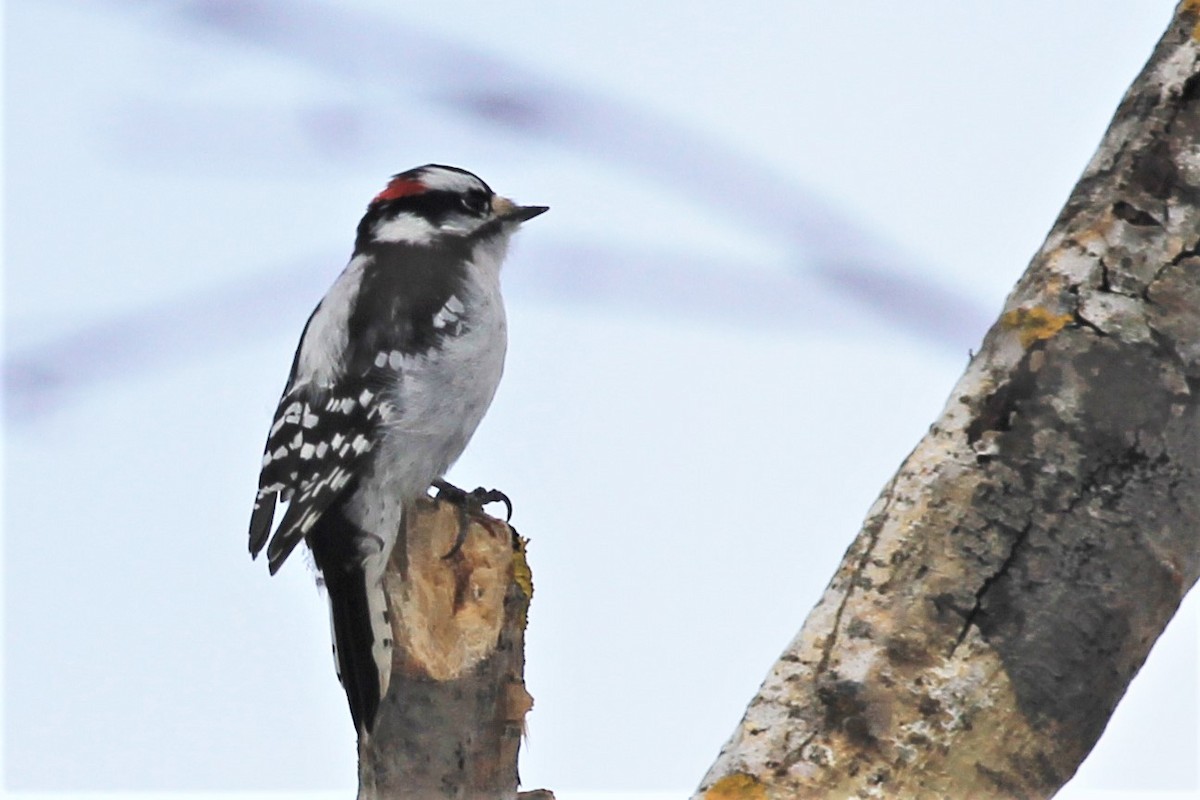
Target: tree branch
[[1012, 577], [450, 725]]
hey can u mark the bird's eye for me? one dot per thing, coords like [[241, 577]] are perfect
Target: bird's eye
[[475, 202]]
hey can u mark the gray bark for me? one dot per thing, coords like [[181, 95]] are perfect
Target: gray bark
[[1014, 574]]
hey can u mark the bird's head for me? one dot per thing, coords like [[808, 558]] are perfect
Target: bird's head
[[428, 203]]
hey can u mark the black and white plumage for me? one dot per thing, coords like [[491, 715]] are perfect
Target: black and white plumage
[[395, 369]]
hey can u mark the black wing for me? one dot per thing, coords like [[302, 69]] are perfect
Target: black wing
[[314, 452]]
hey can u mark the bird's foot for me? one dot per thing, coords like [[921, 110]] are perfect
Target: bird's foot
[[470, 504]]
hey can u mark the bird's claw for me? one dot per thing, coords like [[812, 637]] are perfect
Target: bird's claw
[[485, 496], [469, 503]]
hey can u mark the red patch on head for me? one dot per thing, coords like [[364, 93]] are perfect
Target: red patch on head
[[399, 187]]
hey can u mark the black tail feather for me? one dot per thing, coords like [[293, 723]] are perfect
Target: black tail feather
[[333, 542], [260, 523]]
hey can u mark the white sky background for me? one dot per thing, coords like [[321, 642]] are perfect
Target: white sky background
[[775, 232]]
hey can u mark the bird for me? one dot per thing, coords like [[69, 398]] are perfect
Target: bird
[[395, 369]]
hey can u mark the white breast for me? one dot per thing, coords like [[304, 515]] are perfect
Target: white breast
[[442, 395]]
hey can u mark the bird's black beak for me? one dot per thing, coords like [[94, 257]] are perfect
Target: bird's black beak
[[509, 211]]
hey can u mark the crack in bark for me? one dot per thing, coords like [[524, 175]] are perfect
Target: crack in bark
[[1105, 282], [852, 581], [988, 582], [1187, 252], [1105, 286], [1077, 314], [1190, 251], [796, 754], [1083, 322]]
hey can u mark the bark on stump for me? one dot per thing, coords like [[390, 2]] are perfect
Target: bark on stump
[[1013, 575], [450, 725]]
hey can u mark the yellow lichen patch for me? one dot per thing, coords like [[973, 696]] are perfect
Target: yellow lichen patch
[[1034, 324], [522, 575], [1192, 7], [738, 786]]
